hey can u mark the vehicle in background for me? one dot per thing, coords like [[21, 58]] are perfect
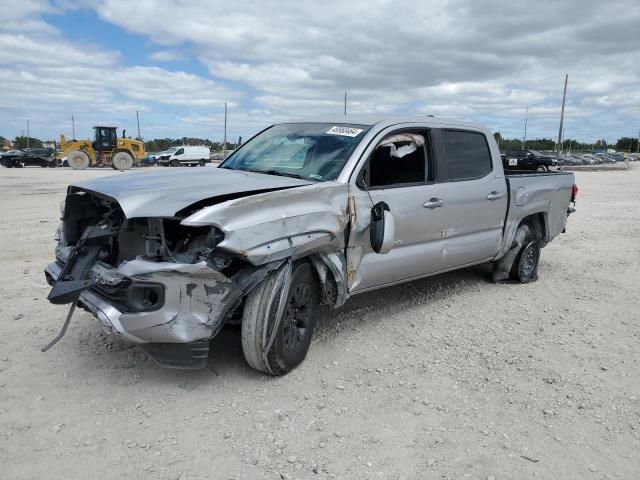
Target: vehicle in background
[[184, 155], [304, 213], [592, 159], [605, 158], [528, 160], [106, 149], [11, 158], [39, 157]]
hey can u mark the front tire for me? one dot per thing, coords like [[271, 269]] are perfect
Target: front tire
[[175, 163], [294, 331]]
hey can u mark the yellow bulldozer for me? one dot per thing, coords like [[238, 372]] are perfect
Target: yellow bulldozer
[[105, 150]]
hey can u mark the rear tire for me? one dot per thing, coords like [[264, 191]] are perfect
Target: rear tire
[[202, 163], [525, 266], [541, 168], [78, 160], [293, 336], [122, 161]]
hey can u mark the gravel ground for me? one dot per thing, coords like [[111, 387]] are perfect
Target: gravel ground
[[448, 377]]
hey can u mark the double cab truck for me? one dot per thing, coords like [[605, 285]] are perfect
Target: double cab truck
[[306, 212], [528, 160]]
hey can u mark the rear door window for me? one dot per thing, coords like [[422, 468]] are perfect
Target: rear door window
[[467, 155]]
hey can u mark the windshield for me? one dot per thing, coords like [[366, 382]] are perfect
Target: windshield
[[312, 151], [536, 153], [170, 150]]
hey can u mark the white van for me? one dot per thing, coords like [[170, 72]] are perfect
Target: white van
[[184, 155]]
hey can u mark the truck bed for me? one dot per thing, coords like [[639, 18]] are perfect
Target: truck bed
[[545, 193]]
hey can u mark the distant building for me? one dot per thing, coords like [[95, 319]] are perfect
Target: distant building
[[6, 145]]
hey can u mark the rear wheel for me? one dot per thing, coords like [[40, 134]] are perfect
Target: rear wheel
[[525, 266], [203, 163], [541, 168], [292, 335], [78, 160], [122, 160]]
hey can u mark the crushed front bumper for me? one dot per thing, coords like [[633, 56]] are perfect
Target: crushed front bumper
[[197, 300]]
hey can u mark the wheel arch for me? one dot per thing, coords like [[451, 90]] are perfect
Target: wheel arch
[[537, 225]]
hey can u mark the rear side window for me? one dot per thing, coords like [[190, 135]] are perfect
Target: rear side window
[[467, 155]]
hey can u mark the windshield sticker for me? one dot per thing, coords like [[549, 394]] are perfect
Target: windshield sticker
[[345, 131]]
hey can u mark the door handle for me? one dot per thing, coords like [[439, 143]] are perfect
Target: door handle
[[434, 203], [495, 195]]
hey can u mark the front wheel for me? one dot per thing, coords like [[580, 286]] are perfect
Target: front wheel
[[174, 163], [277, 347]]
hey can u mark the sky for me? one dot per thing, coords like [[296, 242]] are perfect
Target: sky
[[177, 63]]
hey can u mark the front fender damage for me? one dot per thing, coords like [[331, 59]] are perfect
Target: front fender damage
[[307, 221], [277, 225]]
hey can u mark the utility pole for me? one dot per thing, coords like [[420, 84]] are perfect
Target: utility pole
[[638, 146], [526, 118], [564, 97], [73, 127], [27, 133], [138, 120], [345, 103], [224, 142]]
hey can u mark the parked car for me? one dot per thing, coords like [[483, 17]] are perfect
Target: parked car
[[184, 155], [528, 160], [11, 158], [42, 157], [302, 214]]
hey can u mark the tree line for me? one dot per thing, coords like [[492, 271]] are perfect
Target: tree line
[[623, 144], [161, 144]]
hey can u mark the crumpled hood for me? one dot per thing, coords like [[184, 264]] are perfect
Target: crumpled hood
[[164, 193]]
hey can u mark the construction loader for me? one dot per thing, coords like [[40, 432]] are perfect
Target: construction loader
[[105, 150]]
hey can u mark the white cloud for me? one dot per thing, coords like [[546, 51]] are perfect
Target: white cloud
[[482, 61], [166, 55]]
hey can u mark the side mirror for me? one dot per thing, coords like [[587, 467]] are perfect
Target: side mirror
[[382, 232]]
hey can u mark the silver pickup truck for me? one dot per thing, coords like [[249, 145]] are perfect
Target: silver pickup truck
[[306, 212]]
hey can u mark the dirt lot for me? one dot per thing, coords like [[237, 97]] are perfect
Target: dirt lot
[[449, 377]]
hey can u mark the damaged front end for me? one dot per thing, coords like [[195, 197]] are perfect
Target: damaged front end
[[170, 283], [152, 281]]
